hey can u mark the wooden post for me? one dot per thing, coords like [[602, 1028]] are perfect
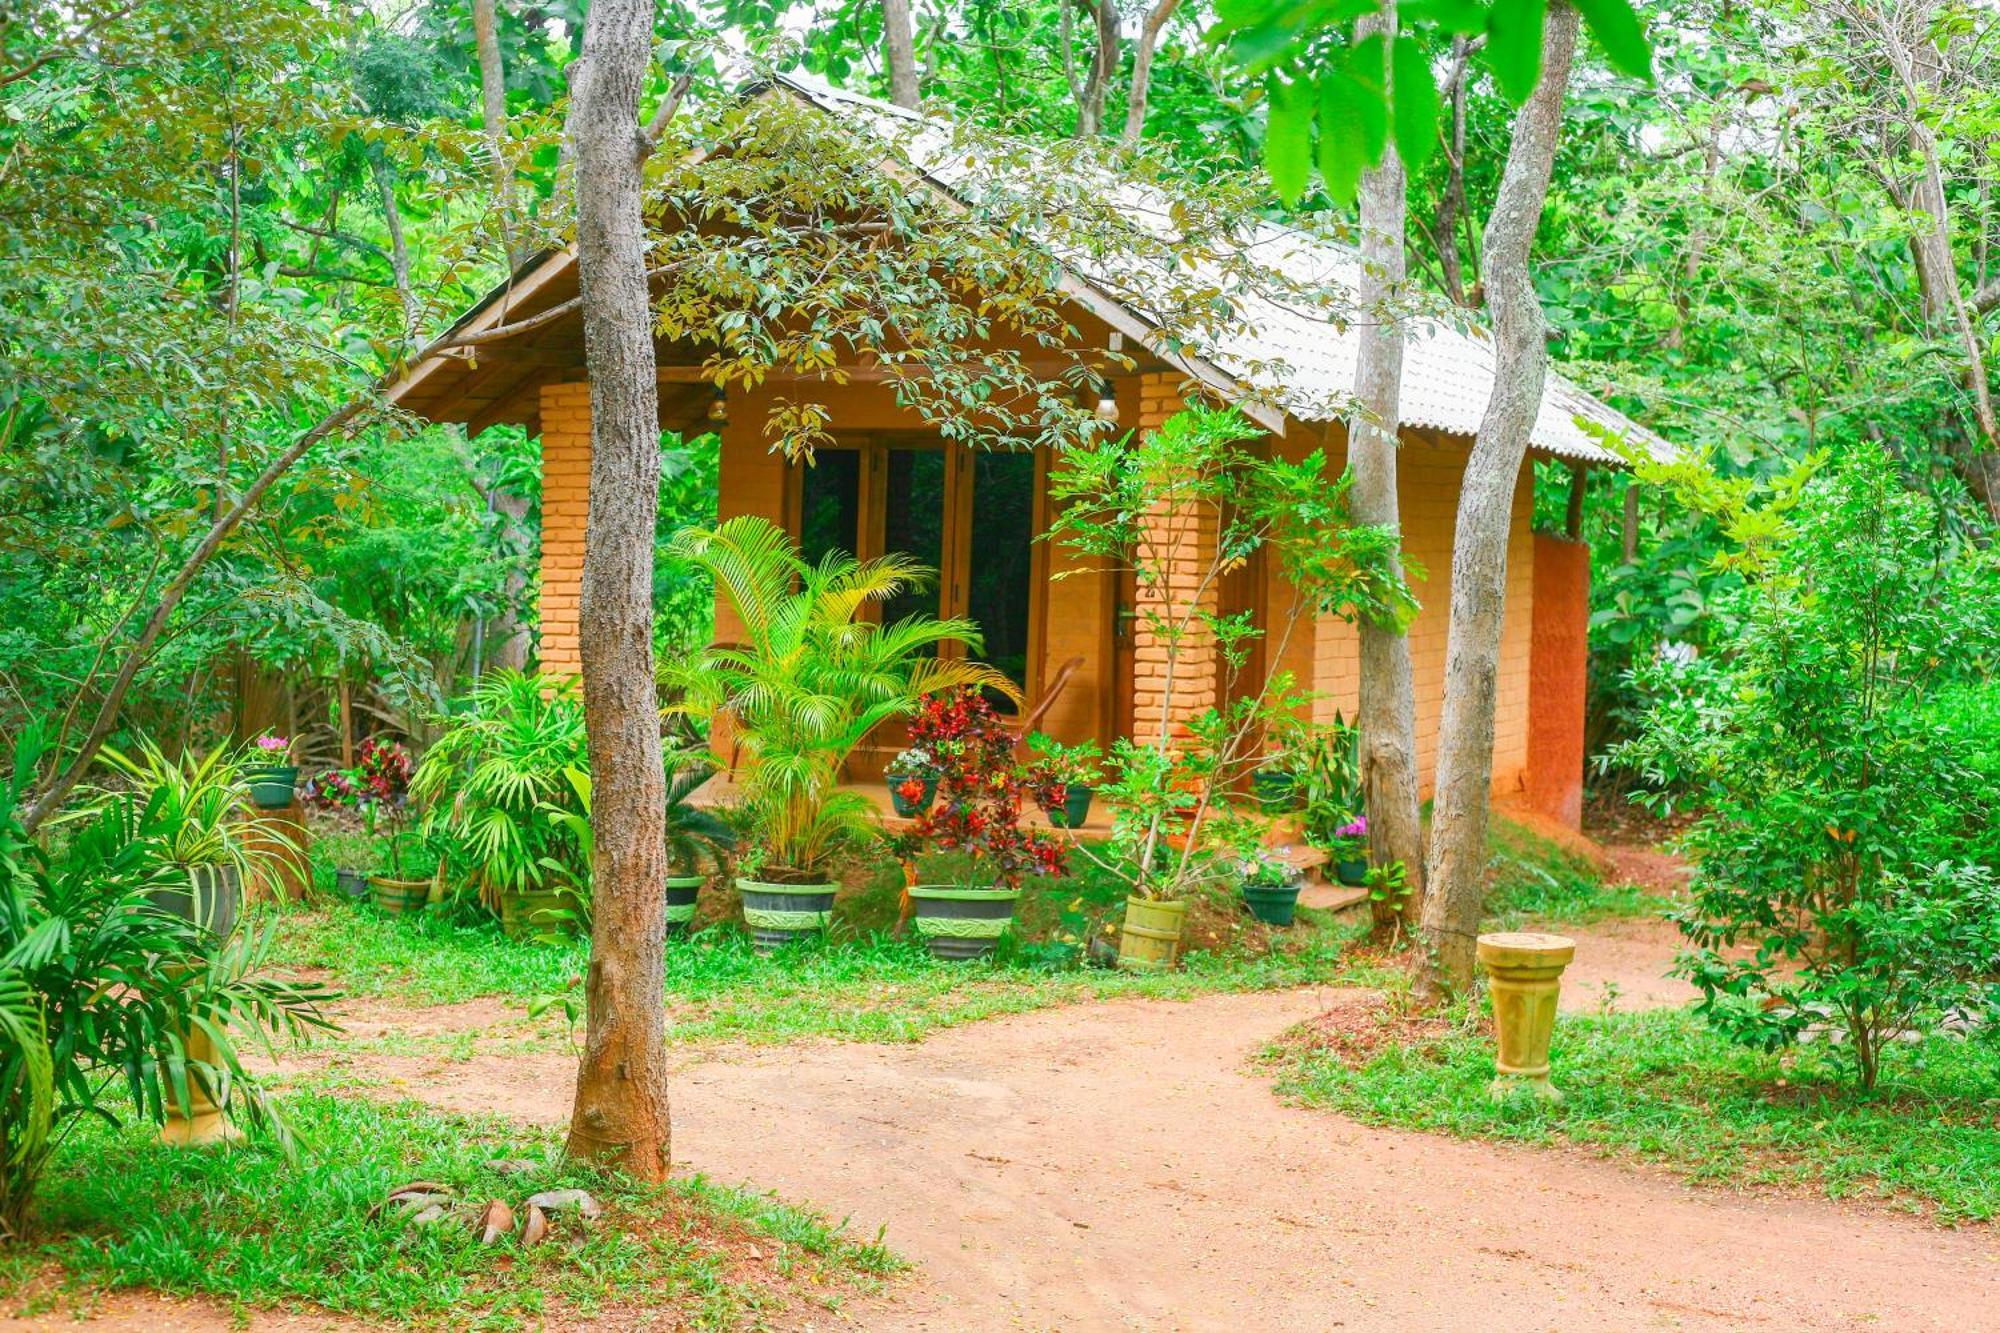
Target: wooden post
[[280, 850]]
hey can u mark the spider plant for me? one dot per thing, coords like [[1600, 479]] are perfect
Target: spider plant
[[195, 803], [811, 678], [494, 781]]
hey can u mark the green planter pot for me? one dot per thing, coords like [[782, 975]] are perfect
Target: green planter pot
[[780, 914], [399, 897], [962, 923], [1276, 793], [540, 916], [1075, 808], [271, 785], [904, 806], [212, 898], [1273, 904], [682, 893], [1351, 873]]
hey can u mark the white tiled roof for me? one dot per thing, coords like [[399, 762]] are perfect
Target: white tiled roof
[[1296, 357]]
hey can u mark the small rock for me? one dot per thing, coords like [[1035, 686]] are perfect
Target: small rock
[[558, 1201]]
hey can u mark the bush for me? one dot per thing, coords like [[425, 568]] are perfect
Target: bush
[[1839, 818]]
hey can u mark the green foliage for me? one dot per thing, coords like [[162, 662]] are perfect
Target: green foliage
[[253, 1230], [1196, 468], [497, 781], [1837, 817], [1304, 45], [811, 678], [193, 804], [100, 990], [1663, 1089]]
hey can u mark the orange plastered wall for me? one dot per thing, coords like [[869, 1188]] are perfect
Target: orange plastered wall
[[1428, 473]]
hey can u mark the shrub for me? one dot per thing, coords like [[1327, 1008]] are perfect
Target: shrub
[[1837, 816], [980, 791], [99, 988]]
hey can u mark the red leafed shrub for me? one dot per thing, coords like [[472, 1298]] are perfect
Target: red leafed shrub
[[980, 791]]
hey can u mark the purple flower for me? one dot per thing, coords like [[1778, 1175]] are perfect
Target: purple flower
[[1358, 829], [273, 744]]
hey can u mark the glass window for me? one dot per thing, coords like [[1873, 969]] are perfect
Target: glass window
[[1000, 573], [913, 524], [830, 504]]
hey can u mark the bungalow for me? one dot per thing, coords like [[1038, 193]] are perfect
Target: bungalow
[[885, 479]]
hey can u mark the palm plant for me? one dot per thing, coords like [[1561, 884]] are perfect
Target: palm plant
[[497, 778], [811, 678], [694, 834], [101, 992]]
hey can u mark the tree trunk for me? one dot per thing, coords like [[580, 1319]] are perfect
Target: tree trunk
[[399, 249], [493, 119], [1103, 63], [511, 639], [1457, 870], [1388, 717], [620, 1114], [899, 45], [1142, 70]]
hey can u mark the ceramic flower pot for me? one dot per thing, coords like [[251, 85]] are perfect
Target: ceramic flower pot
[[961, 923], [1075, 808], [1351, 873], [399, 897], [909, 804], [780, 914], [271, 785], [1275, 792], [350, 884], [1273, 904], [212, 899], [1150, 939], [682, 893]]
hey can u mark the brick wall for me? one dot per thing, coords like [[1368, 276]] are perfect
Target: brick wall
[[1178, 545], [1429, 469], [565, 518]]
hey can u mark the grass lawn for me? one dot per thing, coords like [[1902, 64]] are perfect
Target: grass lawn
[[1531, 880], [871, 988], [249, 1229], [1660, 1087]]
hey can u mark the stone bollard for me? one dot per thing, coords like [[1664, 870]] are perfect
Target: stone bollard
[[1524, 972]]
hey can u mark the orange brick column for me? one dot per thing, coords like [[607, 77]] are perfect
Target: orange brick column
[[565, 517], [1558, 677], [1178, 547]]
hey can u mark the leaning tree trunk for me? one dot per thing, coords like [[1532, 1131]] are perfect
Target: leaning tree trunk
[[621, 1089], [1457, 870], [1388, 718]]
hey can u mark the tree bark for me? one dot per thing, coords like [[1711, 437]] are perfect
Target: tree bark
[[399, 249], [1142, 70], [1457, 870], [1388, 716], [899, 46], [493, 119], [620, 1114], [1103, 64]]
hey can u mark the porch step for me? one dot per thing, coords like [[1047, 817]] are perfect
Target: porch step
[[1325, 897]]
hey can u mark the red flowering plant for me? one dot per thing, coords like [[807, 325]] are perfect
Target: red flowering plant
[[980, 792], [377, 785]]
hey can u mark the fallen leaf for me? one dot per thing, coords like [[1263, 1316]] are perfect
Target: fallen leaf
[[556, 1201], [535, 1227]]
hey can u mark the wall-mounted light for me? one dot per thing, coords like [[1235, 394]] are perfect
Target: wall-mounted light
[[1107, 400], [718, 405]]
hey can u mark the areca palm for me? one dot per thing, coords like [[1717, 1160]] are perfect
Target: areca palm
[[812, 676]]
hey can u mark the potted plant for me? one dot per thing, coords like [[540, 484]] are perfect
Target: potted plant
[[1347, 849], [1271, 886], [188, 809], [1064, 778], [380, 779], [1276, 789], [271, 776], [401, 891], [969, 904], [506, 790], [913, 781], [694, 836], [805, 687]]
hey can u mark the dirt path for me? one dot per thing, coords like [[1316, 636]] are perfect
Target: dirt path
[[1117, 1166]]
